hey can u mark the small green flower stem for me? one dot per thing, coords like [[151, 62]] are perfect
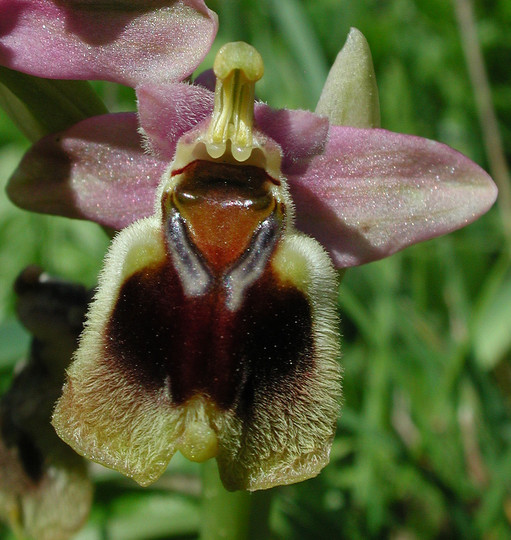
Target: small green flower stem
[[238, 515]]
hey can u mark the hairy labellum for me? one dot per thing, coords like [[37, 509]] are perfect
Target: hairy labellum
[[214, 328]]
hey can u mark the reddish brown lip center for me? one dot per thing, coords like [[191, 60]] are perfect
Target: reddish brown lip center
[[197, 346], [223, 205]]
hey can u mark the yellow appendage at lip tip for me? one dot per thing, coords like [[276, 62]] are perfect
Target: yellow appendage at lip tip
[[237, 68], [199, 442]]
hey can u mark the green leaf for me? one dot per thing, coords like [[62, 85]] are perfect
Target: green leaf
[[492, 335], [53, 105]]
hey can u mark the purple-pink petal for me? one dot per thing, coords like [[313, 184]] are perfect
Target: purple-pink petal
[[96, 170], [374, 192], [300, 134], [206, 79], [167, 111], [125, 41], [170, 110]]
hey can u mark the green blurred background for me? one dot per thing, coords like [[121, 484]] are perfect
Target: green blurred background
[[422, 449]]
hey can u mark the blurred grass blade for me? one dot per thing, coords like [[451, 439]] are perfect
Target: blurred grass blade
[[20, 115], [293, 23], [53, 104], [492, 336]]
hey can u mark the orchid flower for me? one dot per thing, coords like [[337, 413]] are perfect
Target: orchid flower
[[45, 491], [214, 328], [363, 193]]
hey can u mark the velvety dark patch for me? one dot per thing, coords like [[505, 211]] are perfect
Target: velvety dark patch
[[31, 457], [277, 343], [44, 302], [13, 437], [157, 334]]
